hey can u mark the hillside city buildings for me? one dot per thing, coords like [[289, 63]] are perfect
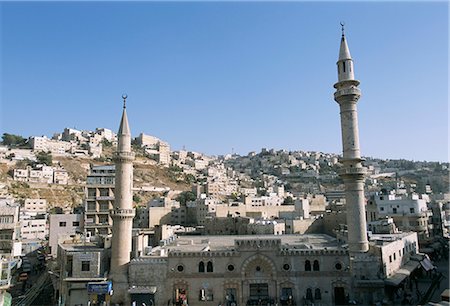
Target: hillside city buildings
[[268, 228]]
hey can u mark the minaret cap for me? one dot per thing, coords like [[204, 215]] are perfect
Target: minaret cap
[[344, 52], [124, 128]]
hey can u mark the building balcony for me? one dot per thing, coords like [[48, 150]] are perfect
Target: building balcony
[[105, 198], [4, 226]]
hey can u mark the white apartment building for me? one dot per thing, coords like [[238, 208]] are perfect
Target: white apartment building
[[42, 174], [62, 226], [49, 145], [106, 134], [155, 147], [35, 206], [410, 213], [33, 227]]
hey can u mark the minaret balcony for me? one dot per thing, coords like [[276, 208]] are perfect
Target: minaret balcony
[[347, 91], [123, 156], [352, 171]]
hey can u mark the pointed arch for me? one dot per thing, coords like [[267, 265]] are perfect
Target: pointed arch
[[209, 266], [307, 265], [201, 267]]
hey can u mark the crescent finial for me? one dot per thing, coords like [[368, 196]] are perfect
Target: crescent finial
[[124, 97], [342, 27]]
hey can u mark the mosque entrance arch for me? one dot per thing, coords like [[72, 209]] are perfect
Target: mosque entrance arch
[[259, 280]]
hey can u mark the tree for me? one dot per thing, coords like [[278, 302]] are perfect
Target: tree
[[185, 197], [288, 201], [44, 158], [13, 140], [106, 143]]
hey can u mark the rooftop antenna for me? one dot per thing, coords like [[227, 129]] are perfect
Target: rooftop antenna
[[342, 27], [124, 97]]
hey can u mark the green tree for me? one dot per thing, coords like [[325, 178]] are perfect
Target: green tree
[[288, 201], [185, 197], [13, 140], [106, 143], [44, 158]]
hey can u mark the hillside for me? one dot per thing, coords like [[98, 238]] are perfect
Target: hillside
[[146, 174]]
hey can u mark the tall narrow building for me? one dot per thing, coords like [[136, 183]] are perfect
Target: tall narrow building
[[122, 213], [353, 172]]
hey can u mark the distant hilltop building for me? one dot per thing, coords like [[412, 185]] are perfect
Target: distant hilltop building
[[155, 148]]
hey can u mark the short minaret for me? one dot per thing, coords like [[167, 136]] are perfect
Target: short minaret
[[347, 95], [123, 212]]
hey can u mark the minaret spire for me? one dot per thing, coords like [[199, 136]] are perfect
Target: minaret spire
[[347, 95]]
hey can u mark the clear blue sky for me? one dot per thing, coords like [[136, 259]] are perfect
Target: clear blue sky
[[215, 76]]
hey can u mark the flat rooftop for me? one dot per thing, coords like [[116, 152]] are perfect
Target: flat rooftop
[[232, 242]]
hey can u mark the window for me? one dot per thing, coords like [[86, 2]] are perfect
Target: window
[[307, 265], [411, 210], [394, 210], [343, 66], [338, 266], [209, 266], [75, 223], [390, 258], [316, 265], [230, 268], [85, 266], [394, 257], [286, 267], [317, 294], [309, 295], [104, 192], [201, 267], [382, 208], [62, 224], [180, 268]]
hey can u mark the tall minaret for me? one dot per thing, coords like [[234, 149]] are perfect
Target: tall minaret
[[347, 95], [123, 212]]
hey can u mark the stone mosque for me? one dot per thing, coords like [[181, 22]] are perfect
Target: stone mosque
[[310, 269]]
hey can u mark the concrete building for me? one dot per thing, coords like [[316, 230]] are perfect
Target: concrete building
[[410, 213], [155, 147], [99, 193], [83, 270], [61, 227], [35, 206], [10, 243], [45, 144]]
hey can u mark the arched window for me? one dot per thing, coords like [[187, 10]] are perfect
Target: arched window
[[343, 66], [309, 295], [317, 294], [307, 265], [201, 266], [209, 266], [316, 265]]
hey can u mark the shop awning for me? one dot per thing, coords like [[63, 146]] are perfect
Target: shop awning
[[402, 273], [427, 264]]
